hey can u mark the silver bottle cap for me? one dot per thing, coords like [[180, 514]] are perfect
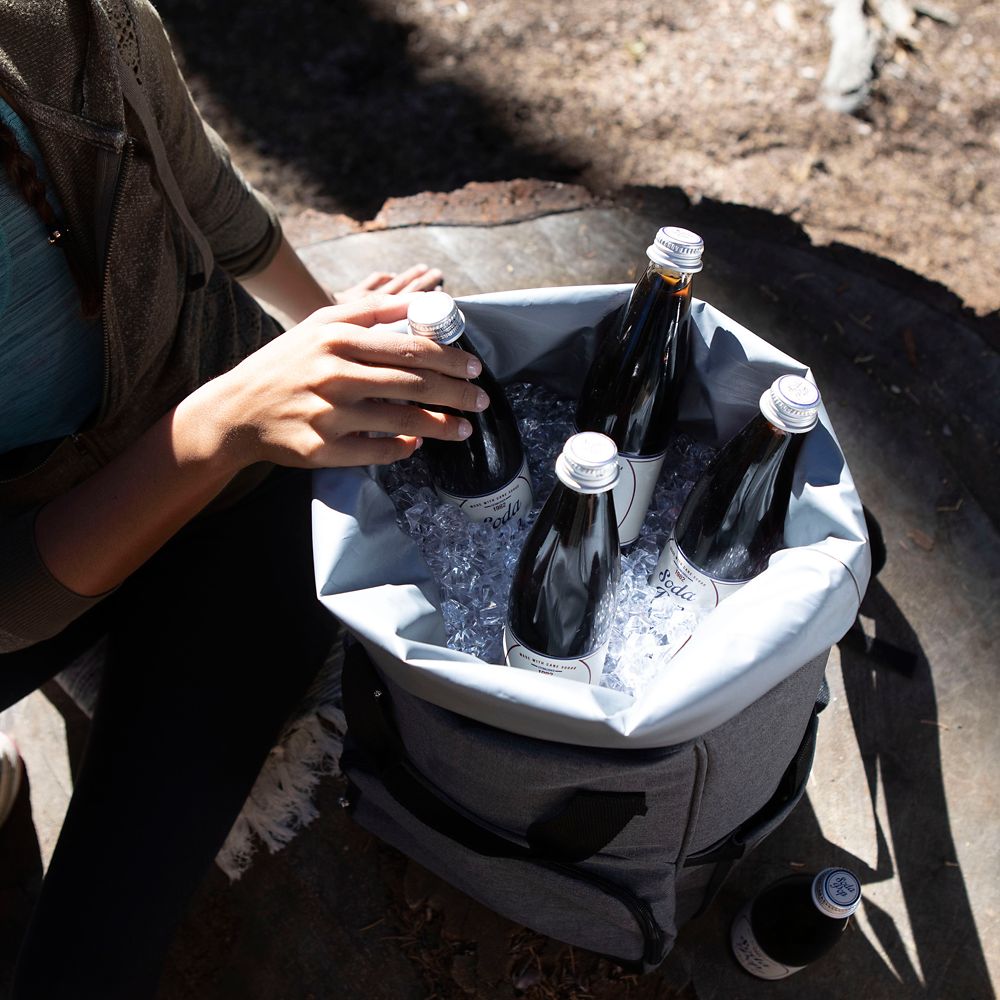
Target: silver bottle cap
[[677, 248], [791, 404], [435, 315], [589, 463], [836, 892]]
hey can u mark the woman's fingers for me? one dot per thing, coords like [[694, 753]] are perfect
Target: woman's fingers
[[375, 281], [366, 286], [419, 278], [359, 449], [369, 310], [383, 349], [346, 381], [430, 389], [400, 421], [343, 328]]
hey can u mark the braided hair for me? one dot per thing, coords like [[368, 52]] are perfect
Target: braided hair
[[23, 176]]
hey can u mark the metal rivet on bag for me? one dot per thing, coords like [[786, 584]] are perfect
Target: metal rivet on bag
[[344, 802], [377, 692]]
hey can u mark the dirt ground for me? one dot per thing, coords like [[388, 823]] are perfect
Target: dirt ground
[[338, 106]]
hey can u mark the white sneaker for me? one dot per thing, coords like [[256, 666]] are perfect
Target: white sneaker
[[10, 775]]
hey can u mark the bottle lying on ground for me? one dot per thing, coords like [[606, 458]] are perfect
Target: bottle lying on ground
[[633, 386], [486, 475], [565, 585], [733, 519], [794, 921]]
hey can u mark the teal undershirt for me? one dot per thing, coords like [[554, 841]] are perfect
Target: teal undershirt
[[51, 359]]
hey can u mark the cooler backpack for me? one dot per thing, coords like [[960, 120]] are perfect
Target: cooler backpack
[[599, 819]]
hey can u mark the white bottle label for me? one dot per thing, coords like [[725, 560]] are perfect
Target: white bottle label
[[509, 503], [750, 954], [633, 492], [689, 587], [584, 668]]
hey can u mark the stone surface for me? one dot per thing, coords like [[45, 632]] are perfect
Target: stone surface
[[482, 204]]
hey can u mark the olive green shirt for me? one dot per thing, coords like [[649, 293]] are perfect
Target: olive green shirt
[[168, 326]]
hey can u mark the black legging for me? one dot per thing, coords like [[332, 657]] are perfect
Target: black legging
[[212, 644]]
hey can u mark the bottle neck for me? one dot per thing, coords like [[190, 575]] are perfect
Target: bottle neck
[[670, 281], [769, 484], [578, 513]]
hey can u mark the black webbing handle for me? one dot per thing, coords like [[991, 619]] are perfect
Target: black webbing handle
[[586, 824]]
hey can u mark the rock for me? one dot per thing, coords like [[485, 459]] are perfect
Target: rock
[[849, 73]]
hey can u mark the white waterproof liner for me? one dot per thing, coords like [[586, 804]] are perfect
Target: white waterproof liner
[[370, 574]]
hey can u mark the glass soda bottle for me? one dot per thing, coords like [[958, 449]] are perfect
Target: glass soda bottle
[[733, 519], [565, 586], [794, 921], [486, 475], [633, 386]]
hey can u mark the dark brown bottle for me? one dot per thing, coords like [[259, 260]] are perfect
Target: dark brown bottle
[[794, 921], [486, 475], [564, 590], [733, 519], [632, 389]]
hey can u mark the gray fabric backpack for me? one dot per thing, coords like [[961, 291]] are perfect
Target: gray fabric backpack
[[602, 821]]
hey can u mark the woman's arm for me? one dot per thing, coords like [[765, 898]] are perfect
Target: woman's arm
[[306, 399], [288, 285]]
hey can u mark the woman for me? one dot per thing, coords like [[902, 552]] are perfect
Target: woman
[[145, 401]]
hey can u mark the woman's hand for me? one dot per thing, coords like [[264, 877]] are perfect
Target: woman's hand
[[311, 397], [308, 399], [419, 278]]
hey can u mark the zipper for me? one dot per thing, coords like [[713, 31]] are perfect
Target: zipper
[[81, 447], [640, 910], [126, 160], [652, 933], [371, 758]]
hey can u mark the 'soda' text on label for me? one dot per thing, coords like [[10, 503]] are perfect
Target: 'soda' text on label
[[510, 503], [689, 587]]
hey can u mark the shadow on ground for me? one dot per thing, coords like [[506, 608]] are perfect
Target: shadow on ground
[[328, 90], [884, 705], [890, 707]]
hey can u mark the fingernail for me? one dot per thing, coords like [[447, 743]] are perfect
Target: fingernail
[[464, 429], [420, 441], [482, 400], [474, 368]]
